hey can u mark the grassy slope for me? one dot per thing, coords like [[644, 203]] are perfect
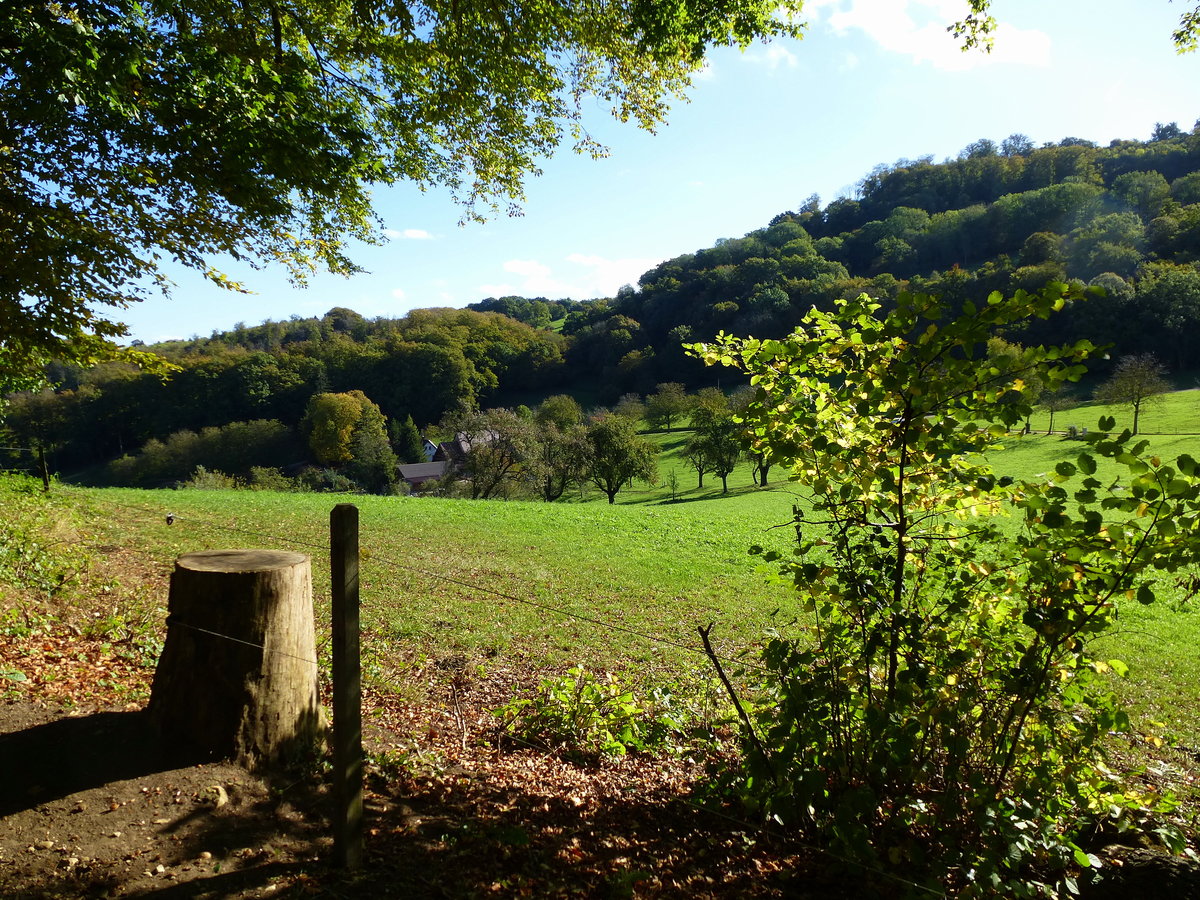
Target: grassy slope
[[525, 578], [660, 569]]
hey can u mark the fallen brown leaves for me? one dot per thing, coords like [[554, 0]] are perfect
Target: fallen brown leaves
[[70, 671], [452, 810]]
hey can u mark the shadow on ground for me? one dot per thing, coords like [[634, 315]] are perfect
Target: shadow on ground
[[54, 760]]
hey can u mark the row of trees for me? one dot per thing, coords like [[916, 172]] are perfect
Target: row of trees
[[548, 452], [1125, 218]]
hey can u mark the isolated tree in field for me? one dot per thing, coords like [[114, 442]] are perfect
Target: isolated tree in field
[[667, 405], [1135, 382], [695, 451], [631, 407], [724, 442], [498, 448], [169, 129], [1008, 359], [618, 454], [563, 459], [706, 405], [941, 695]]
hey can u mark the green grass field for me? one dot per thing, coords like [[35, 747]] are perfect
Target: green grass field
[[619, 587]]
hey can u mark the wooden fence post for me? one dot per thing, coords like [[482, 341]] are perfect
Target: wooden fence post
[[347, 689], [44, 469]]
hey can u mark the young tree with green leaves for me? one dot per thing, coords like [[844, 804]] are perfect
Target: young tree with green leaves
[[943, 713], [695, 451], [1136, 382], [561, 410], [406, 440], [169, 129], [667, 405], [723, 442], [563, 455], [618, 454], [1058, 400]]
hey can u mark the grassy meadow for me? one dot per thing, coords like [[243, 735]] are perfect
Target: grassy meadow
[[620, 587]]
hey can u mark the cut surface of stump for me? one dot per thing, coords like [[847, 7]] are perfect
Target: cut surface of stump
[[238, 673]]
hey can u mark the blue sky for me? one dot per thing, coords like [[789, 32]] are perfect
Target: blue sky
[[873, 81]]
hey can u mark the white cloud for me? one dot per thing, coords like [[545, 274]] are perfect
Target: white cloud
[[398, 293], [585, 276], [775, 56], [409, 234], [917, 28]]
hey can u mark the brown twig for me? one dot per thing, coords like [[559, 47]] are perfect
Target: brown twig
[[704, 633]]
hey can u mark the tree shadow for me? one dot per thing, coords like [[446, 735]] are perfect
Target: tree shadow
[[56, 759]]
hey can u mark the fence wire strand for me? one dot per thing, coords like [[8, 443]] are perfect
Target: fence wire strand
[[458, 582], [746, 825]]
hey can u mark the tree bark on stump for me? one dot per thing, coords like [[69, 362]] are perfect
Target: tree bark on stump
[[238, 674]]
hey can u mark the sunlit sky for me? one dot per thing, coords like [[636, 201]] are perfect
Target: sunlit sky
[[873, 81]]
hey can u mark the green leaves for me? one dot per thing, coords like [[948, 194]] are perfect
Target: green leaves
[[138, 132], [947, 666]]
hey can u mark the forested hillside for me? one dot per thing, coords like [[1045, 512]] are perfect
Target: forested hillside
[[1124, 218], [1000, 217]]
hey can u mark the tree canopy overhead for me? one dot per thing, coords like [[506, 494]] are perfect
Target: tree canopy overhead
[[977, 26], [136, 133]]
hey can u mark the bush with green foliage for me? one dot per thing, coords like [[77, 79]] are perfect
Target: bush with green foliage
[[210, 480], [942, 715], [584, 713], [32, 558]]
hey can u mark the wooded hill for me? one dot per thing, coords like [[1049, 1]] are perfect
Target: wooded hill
[[1125, 218]]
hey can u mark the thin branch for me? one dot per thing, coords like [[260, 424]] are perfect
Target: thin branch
[[737, 703]]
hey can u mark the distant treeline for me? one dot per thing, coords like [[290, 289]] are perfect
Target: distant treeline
[[1124, 218]]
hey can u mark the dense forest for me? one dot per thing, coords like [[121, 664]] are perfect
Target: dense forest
[[1001, 216]]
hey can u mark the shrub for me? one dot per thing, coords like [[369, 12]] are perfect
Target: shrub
[[942, 714], [204, 480]]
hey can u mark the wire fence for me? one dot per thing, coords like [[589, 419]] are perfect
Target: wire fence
[[319, 548], [476, 587], [21, 460]]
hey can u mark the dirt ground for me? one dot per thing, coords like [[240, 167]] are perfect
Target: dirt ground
[[91, 807]]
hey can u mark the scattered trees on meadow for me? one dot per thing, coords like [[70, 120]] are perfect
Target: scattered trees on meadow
[[1135, 382]]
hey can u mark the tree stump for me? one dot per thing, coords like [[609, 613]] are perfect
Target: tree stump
[[238, 673]]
